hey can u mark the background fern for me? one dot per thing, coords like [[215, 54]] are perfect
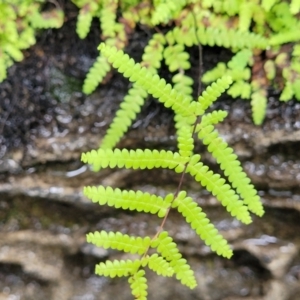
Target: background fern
[[18, 22]]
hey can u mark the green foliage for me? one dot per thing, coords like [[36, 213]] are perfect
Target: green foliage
[[240, 25], [19, 21], [232, 188]]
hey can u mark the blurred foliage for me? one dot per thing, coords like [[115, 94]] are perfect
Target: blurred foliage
[[19, 20]]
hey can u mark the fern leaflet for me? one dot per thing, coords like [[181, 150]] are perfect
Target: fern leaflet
[[202, 225], [118, 268], [119, 241], [138, 285], [127, 199], [167, 248]]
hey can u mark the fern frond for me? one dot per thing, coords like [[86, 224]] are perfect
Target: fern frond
[[12, 51], [185, 34], [153, 53], [166, 10], [240, 89], [185, 141], [119, 241], [153, 84], [108, 18], [183, 84], [48, 19], [267, 4], [131, 200], [245, 15], [259, 106], [240, 60], [213, 92], [231, 166], [201, 224], [285, 37], [84, 19], [231, 7], [117, 268], [216, 116], [230, 38], [138, 285], [129, 108], [287, 93], [176, 58], [168, 249], [96, 74], [216, 185], [136, 96], [160, 266], [215, 73], [136, 159]]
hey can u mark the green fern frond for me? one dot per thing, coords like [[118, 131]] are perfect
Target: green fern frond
[[231, 7], [153, 53], [118, 268], [230, 165], [84, 19], [168, 249], [138, 285], [185, 141], [160, 266], [201, 224], [240, 60], [216, 185], [129, 108], [259, 106], [119, 241], [287, 93], [166, 10], [48, 19], [136, 159], [136, 96], [285, 37], [131, 200], [108, 18], [153, 84], [245, 15], [183, 84], [12, 51], [96, 74], [213, 92], [185, 34], [237, 70], [176, 58], [215, 73], [230, 38]]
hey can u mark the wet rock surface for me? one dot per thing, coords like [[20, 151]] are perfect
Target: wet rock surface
[[46, 123]]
